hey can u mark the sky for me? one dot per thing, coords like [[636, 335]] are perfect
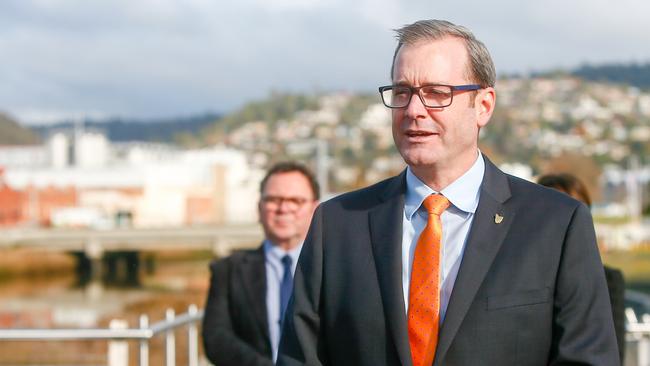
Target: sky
[[72, 59]]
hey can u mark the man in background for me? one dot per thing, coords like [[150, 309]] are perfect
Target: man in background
[[250, 289]]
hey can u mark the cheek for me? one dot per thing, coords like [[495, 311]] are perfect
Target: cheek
[[268, 217], [305, 220], [397, 116], [396, 124]]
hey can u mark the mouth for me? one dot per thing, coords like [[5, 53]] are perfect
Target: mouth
[[283, 221], [419, 135]]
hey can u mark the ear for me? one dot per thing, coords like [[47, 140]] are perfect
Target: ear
[[484, 104]]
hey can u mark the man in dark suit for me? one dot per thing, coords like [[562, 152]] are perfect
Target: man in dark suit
[[452, 262], [250, 289]]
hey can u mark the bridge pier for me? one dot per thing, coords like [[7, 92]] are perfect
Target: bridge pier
[[122, 268], [94, 251], [116, 267]]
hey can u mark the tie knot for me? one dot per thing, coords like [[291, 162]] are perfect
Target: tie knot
[[286, 261], [435, 204]]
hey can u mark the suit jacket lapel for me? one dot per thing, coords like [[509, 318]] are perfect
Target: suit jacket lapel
[[253, 272], [386, 237], [483, 243]]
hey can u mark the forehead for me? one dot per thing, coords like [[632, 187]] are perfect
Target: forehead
[[288, 184], [432, 61]]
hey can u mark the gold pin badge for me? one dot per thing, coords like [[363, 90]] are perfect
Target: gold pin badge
[[498, 218]]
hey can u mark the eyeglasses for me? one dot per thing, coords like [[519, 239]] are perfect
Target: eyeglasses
[[432, 96], [291, 203]]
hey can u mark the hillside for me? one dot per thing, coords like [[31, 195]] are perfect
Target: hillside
[[632, 74], [170, 130], [276, 107], [11, 133]]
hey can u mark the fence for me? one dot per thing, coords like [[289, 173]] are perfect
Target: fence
[[637, 338], [118, 334]]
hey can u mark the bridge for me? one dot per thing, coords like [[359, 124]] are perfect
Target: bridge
[[115, 252], [220, 239]]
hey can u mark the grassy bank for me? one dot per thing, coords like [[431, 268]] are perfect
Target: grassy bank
[[635, 265], [32, 263]]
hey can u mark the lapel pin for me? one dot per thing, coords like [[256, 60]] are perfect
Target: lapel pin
[[498, 218]]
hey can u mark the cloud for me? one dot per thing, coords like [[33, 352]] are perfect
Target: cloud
[[159, 58]]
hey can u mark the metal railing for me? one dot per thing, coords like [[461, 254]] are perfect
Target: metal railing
[[637, 339], [638, 345], [118, 334]]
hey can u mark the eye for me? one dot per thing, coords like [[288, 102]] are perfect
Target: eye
[[435, 91], [401, 92], [298, 201]]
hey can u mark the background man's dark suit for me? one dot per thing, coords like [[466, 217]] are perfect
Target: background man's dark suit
[[530, 289], [235, 314], [616, 286]]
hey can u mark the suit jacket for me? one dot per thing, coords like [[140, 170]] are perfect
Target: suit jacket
[[235, 327], [530, 289], [616, 287]]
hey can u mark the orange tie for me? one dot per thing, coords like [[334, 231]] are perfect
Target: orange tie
[[424, 293]]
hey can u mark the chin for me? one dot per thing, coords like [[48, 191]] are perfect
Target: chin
[[283, 236], [420, 155], [417, 160]]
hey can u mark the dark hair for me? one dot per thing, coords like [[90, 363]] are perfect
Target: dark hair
[[568, 184], [289, 167]]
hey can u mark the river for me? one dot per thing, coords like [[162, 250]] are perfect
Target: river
[[56, 299]]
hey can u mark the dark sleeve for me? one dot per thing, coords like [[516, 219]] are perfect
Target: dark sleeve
[[583, 330], [616, 287], [301, 342], [222, 346]]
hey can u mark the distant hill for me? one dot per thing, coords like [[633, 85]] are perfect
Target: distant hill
[[156, 130], [633, 74], [11, 133]]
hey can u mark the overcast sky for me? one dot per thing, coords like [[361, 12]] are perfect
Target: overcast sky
[[163, 58]]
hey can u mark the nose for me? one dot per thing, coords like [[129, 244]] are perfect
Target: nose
[[284, 206], [415, 109]]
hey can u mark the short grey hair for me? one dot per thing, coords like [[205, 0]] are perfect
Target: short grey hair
[[480, 69]]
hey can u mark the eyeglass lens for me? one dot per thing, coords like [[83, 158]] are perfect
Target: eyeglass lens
[[431, 96]]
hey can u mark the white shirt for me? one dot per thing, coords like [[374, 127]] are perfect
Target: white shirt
[[463, 194], [274, 273]]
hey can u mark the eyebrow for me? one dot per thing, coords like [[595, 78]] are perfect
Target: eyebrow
[[404, 83]]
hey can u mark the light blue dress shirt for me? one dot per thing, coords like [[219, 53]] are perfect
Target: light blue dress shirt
[[274, 272], [464, 195]]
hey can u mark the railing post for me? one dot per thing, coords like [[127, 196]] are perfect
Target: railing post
[[170, 342], [144, 343], [643, 350], [192, 338], [118, 350]]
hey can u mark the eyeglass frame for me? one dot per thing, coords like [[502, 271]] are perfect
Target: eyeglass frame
[[414, 89], [294, 203]]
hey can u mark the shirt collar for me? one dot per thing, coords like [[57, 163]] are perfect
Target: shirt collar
[[273, 251], [463, 193]]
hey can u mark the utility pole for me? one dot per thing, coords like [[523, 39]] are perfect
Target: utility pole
[[322, 164]]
